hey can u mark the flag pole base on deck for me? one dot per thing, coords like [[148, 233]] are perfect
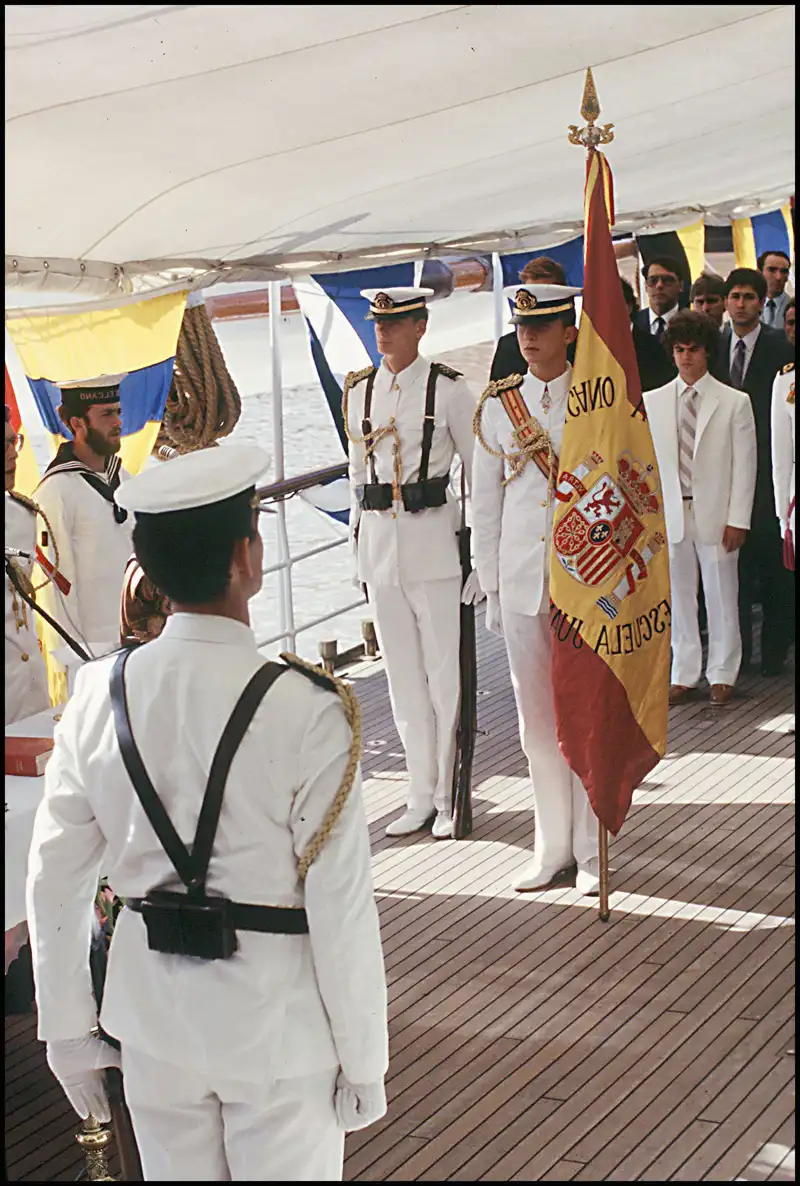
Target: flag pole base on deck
[[602, 849]]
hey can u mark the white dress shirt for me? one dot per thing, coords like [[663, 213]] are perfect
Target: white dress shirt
[[283, 1005], [512, 525], [775, 318], [749, 340], [396, 546]]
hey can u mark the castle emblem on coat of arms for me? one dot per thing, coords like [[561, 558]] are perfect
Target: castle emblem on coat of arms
[[602, 537]]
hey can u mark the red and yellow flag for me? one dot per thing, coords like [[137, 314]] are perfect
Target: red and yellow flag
[[609, 571]]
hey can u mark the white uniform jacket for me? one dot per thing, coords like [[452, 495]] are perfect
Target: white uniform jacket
[[724, 470], [396, 546], [26, 677], [512, 525], [783, 445], [282, 1005], [93, 551]]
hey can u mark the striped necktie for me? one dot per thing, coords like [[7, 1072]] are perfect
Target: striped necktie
[[686, 439], [737, 366]]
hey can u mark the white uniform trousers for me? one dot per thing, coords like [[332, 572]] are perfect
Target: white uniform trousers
[[193, 1128], [418, 626], [565, 825], [720, 571]]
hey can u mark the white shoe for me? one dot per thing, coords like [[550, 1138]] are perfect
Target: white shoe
[[588, 880], [443, 826], [410, 821], [539, 877]]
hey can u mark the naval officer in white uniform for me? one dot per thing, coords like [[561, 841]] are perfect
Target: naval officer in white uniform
[[26, 677], [512, 526], [243, 1066], [782, 430], [77, 493], [403, 524]]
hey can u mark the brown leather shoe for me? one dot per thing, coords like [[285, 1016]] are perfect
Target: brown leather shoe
[[721, 694], [678, 693]]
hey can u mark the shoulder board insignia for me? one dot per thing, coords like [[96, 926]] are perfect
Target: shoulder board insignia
[[354, 377], [448, 372], [498, 386], [787, 370], [317, 675], [24, 501]]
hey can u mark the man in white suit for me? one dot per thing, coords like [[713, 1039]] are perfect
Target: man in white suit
[[705, 440], [405, 420]]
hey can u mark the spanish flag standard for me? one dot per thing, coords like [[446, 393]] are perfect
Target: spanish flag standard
[[609, 570]]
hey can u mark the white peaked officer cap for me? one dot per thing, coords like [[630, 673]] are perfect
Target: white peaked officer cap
[[196, 479], [394, 302], [539, 300]]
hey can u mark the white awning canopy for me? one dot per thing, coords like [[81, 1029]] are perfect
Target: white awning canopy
[[148, 142]]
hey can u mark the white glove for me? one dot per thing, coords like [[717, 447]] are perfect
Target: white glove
[[784, 524], [472, 592], [358, 1105], [78, 1065], [494, 619]]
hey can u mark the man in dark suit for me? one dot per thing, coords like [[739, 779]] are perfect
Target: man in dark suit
[[655, 366], [664, 279], [750, 356], [508, 358]]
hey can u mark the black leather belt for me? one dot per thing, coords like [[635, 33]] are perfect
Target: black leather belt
[[416, 496], [270, 920], [687, 498]]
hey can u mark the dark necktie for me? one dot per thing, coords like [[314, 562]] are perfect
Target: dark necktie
[[771, 311], [737, 366], [660, 323]]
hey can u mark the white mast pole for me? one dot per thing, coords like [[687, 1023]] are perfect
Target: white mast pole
[[285, 599]]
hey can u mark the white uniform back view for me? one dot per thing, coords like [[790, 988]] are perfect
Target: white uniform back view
[[249, 1067]]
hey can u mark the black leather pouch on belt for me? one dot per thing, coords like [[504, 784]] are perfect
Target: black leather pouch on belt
[[418, 496], [376, 496], [180, 924]]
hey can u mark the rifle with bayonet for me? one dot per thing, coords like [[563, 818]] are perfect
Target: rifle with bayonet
[[468, 706]]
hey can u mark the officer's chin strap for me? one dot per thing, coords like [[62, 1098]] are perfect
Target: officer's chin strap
[[14, 577]]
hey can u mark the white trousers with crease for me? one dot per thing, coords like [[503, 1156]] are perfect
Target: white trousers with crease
[[720, 571], [192, 1128], [565, 825], [418, 627]]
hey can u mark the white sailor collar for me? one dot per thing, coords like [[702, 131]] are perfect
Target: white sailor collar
[[208, 628]]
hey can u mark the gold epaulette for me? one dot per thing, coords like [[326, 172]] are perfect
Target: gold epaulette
[[317, 675], [448, 372], [787, 370], [497, 386], [24, 501], [353, 377]]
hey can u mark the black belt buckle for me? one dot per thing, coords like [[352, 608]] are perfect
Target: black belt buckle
[[178, 924]]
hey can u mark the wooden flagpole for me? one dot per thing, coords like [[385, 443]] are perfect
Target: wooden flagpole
[[602, 849]]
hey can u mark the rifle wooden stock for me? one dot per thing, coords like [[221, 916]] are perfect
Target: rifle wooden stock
[[468, 708]]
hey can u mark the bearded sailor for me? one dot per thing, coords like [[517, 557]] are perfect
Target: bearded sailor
[[77, 493], [519, 425], [245, 978], [405, 420], [26, 678]]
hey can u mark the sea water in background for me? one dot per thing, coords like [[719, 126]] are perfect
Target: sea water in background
[[322, 583]]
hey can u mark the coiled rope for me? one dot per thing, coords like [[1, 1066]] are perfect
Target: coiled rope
[[203, 404], [352, 710]]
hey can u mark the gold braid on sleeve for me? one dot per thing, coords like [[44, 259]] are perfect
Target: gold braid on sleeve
[[352, 711]]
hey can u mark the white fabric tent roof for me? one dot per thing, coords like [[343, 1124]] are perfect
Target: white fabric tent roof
[[309, 137]]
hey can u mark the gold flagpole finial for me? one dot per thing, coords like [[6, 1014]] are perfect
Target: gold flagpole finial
[[591, 135]]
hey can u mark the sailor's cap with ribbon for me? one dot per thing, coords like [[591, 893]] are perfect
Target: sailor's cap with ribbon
[[539, 300], [385, 303], [197, 479], [80, 394]]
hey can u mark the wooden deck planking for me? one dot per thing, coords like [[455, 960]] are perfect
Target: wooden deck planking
[[529, 1041]]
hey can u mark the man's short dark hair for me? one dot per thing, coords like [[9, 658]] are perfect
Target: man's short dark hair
[[543, 270], [668, 262], [629, 294], [707, 285], [762, 259], [688, 328], [747, 278], [187, 554]]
